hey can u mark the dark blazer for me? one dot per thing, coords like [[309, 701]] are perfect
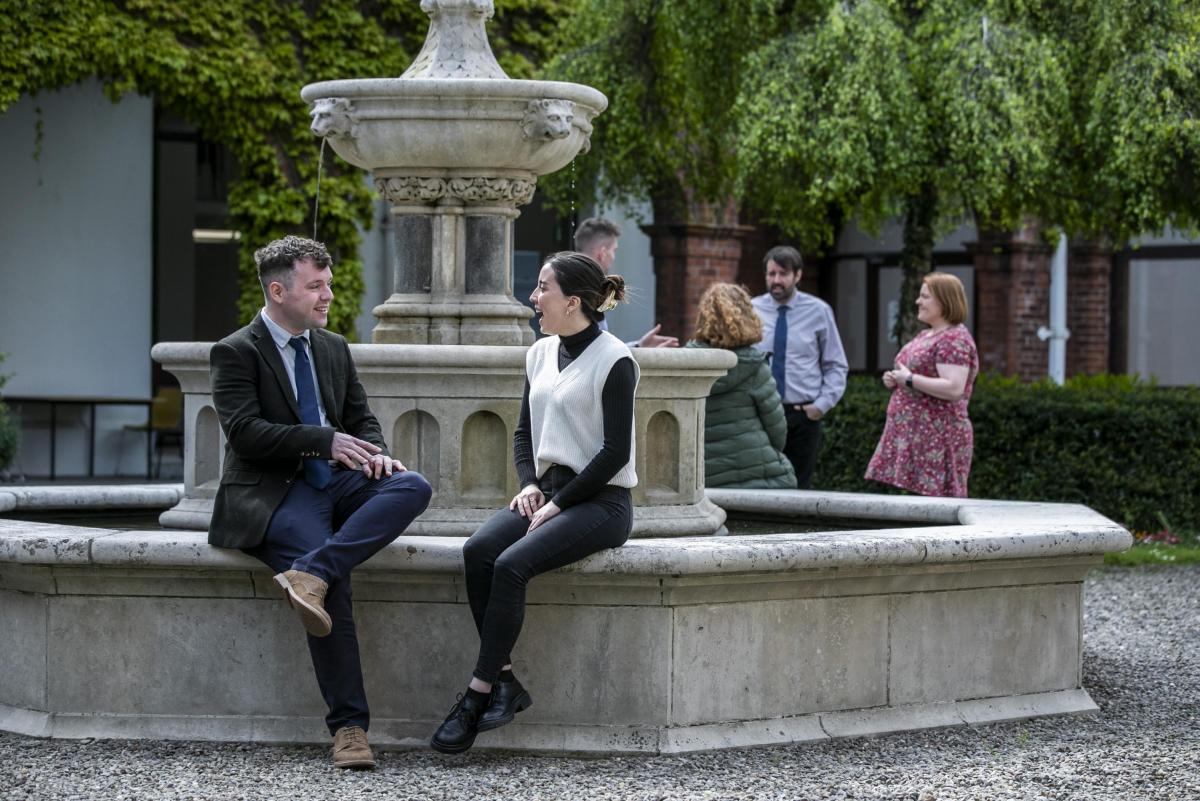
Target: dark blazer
[[265, 441]]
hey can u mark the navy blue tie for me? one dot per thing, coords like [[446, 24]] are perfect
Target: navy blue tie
[[316, 471], [779, 357]]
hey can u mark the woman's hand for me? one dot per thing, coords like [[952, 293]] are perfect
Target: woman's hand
[[889, 379], [528, 501], [542, 515], [901, 374]]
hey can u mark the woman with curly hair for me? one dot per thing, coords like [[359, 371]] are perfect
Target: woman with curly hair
[[744, 425], [574, 453]]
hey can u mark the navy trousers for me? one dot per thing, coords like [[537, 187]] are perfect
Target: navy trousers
[[328, 533], [502, 556]]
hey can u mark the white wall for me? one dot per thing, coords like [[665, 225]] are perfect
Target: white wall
[[633, 263], [1162, 319], [75, 230], [891, 238], [376, 253]]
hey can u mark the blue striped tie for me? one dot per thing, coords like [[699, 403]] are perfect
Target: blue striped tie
[[779, 357], [316, 471]]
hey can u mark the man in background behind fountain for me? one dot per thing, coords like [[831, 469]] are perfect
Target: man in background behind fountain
[[807, 359], [308, 486], [598, 238]]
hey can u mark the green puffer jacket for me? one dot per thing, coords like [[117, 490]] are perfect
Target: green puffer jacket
[[744, 427]]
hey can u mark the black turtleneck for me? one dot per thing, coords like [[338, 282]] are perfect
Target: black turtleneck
[[617, 402]]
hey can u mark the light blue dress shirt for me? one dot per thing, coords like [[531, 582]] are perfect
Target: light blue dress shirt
[[282, 337], [816, 362]]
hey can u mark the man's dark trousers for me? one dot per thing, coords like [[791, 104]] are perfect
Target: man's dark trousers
[[328, 533], [803, 443]]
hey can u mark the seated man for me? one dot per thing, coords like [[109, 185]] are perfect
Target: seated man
[[307, 486]]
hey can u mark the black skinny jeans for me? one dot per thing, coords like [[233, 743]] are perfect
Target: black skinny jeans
[[501, 558]]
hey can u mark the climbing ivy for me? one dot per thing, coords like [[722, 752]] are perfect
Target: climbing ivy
[[234, 69]]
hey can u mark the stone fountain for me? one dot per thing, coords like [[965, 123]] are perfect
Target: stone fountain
[[925, 612], [456, 147]]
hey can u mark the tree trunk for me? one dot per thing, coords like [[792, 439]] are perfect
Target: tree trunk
[[916, 257]]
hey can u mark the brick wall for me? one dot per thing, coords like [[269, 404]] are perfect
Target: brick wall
[[1089, 289], [1012, 286], [688, 258]]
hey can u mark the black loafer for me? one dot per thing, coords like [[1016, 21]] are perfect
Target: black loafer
[[457, 732], [508, 698]]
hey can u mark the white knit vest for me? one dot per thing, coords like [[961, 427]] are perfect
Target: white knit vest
[[566, 416]]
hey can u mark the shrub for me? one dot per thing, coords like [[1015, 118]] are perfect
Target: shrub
[[1124, 447]]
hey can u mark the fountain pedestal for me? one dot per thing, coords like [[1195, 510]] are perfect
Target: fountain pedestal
[[453, 271]]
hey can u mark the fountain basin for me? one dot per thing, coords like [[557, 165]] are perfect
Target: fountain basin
[[458, 126], [962, 612]]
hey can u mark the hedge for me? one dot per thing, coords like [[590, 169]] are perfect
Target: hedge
[[1126, 448]]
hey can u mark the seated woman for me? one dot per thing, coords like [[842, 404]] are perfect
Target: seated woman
[[744, 425], [927, 440], [574, 453]]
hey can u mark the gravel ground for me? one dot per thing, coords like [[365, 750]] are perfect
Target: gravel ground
[[1141, 665]]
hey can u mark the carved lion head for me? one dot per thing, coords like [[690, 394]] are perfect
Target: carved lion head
[[333, 117]]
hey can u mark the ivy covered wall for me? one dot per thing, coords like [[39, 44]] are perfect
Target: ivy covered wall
[[234, 69]]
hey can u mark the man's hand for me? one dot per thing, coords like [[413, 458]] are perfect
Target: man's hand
[[542, 515], [651, 339], [527, 501], [353, 452], [812, 412], [380, 465]]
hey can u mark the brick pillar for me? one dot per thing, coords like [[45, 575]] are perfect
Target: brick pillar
[[1012, 287], [688, 257], [1089, 292]]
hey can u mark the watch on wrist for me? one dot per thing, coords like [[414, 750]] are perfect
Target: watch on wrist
[[908, 381]]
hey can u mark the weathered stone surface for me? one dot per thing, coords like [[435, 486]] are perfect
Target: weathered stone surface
[[664, 645], [23, 632], [449, 412], [89, 496]]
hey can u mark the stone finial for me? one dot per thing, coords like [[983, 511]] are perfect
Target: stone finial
[[457, 44]]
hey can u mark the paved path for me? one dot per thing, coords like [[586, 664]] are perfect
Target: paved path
[[1142, 666]]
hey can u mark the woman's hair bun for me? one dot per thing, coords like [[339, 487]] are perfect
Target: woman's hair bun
[[614, 285]]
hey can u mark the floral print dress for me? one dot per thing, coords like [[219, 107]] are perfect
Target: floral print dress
[[927, 442]]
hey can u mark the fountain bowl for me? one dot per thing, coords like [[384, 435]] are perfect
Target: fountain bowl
[[454, 127]]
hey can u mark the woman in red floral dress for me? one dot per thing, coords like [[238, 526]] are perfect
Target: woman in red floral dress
[[927, 442]]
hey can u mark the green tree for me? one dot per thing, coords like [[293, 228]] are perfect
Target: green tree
[[234, 69], [931, 110], [671, 70], [1127, 153]]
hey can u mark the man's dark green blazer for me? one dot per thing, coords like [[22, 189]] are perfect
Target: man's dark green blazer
[[265, 442]]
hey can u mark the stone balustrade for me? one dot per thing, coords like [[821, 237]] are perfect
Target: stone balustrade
[[449, 412]]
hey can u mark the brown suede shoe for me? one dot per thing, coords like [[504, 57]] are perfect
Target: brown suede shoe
[[350, 749], [306, 593]]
